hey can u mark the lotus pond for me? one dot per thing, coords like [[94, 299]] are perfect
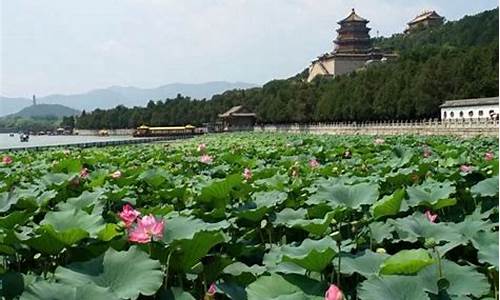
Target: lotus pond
[[253, 216]]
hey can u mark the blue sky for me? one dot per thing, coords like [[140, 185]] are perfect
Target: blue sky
[[71, 46]]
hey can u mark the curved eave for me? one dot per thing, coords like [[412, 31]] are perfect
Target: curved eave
[[421, 19], [358, 30], [353, 21]]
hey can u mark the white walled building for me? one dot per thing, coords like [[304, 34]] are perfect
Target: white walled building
[[478, 108]]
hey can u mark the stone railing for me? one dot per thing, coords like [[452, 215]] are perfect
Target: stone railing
[[464, 127]]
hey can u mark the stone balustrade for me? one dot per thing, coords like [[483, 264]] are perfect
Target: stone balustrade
[[464, 128]]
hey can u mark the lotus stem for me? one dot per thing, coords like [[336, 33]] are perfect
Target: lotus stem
[[261, 236], [338, 272], [204, 282], [270, 237], [494, 279], [440, 267], [167, 269], [371, 237]]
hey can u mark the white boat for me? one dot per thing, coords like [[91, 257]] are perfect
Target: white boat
[[24, 137]]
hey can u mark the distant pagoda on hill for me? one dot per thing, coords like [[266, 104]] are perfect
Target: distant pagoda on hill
[[424, 20], [353, 35], [353, 49]]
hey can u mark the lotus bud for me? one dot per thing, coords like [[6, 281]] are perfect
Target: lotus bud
[[263, 224], [336, 236], [430, 243], [334, 293], [210, 293]]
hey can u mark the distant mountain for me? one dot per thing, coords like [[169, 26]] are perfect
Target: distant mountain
[[128, 96], [43, 110], [12, 105]]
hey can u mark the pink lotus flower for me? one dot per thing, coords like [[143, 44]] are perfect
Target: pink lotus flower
[[465, 169], [206, 159], [313, 163], [212, 290], [202, 147], [489, 156], [128, 215], [247, 174], [84, 173], [379, 141], [430, 216], [7, 160], [66, 152], [147, 228], [116, 174], [333, 293]]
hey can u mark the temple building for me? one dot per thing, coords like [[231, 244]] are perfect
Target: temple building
[[353, 49], [424, 20], [238, 118]]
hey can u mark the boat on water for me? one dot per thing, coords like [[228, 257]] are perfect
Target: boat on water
[[24, 137], [11, 134], [147, 131]]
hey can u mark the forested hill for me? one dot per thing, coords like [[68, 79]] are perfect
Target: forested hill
[[44, 110], [458, 60], [477, 30]]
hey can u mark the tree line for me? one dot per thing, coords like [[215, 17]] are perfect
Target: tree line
[[455, 61]]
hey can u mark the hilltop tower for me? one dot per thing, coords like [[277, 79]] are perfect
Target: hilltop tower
[[34, 100], [353, 35], [353, 50]]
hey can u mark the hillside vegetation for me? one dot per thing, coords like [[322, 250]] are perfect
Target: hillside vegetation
[[16, 123], [44, 110], [40, 117], [458, 60]]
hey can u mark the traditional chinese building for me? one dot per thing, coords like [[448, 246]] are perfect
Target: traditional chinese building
[[238, 118], [353, 49], [424, 20]]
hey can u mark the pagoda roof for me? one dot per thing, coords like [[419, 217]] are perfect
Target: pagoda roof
[[353, 17], [425, 15]]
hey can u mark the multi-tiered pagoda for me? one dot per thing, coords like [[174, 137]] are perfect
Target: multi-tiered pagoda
[[353, 36], [353, 49]]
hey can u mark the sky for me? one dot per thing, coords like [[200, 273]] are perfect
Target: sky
[[72, 46]]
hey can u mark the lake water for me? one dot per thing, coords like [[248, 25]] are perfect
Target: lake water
[[7, 141]]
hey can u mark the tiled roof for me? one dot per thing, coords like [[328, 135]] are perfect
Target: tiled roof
[[234, 111], [353, 17], [425, 15], [243, 115], [470, 102], [231, 111]]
